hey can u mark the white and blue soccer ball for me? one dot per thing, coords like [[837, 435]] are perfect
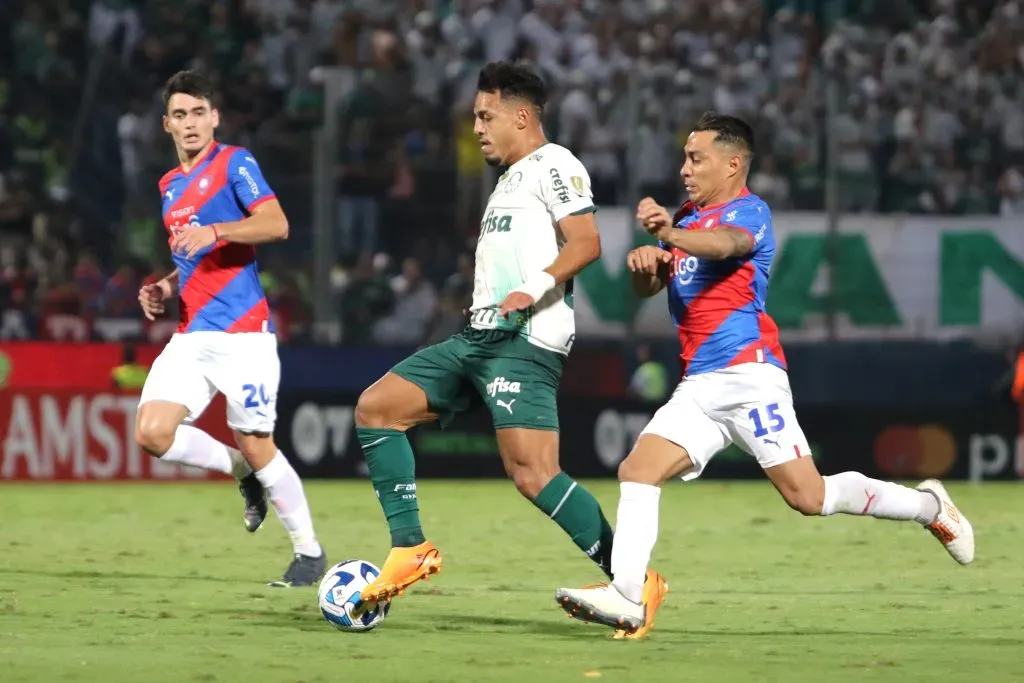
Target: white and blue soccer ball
[[339, 594]]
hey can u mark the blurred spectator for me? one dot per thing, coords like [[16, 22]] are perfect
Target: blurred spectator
[[769, 184], [366, 298], [364, 178], [130, 374], [928, 112], [120, 295], [90, 282], [1011, 192], [415, 305]]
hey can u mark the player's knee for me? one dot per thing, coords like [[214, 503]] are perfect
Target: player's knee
[[807, 502], [153, 436], [530, 481], [627, 471], [637, 471], [372, 410]]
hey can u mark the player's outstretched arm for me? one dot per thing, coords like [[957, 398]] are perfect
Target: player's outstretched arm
[[717, 245], [266, 224]]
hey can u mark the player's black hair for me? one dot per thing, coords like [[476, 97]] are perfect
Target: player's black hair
[[189, 83], [730, 131], [513, 80]]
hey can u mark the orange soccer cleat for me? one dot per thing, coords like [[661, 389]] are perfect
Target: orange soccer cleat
[[655, 590], [404, 567]]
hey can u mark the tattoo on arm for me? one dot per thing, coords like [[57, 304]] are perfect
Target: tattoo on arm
[[742, 243]]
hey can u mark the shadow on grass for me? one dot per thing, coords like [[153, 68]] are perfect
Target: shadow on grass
[[306, 619], [126, 576]]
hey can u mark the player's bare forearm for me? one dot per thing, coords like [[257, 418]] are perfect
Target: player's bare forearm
[[574, 257], [582, 247], [646, 285], [717, 244], [267, 224], [172, 281]]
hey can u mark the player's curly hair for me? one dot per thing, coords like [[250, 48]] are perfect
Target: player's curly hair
[[189, 83], [513, 80], [730, 131]]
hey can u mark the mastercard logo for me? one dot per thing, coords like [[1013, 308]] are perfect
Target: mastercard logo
[[924, 451]]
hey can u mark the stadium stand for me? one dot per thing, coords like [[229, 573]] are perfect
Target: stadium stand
[[930, 120]]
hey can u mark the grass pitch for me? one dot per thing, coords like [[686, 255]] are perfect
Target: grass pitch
[[152, 583]]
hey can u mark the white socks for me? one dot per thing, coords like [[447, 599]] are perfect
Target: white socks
[[851, 493], [284, 491], [636, 532], [196, 448]]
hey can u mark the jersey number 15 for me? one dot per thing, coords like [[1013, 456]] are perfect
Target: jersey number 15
[[775, 421]]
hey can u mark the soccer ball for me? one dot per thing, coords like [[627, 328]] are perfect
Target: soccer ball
[[339, 590]]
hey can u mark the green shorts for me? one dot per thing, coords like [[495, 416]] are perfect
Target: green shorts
[[517, 381]]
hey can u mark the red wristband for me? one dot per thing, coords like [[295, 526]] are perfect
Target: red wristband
[[216, 237]]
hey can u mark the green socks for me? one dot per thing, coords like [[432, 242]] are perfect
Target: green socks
[[392, 468], [393, 475], [578, 513]]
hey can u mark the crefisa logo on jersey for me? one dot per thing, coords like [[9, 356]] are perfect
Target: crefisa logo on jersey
[[559, 186]]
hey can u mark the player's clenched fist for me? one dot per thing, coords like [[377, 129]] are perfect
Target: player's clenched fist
[[653, 216], [647, 259], [152, 297]]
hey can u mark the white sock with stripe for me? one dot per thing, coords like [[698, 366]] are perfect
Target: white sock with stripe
[[851, 493]]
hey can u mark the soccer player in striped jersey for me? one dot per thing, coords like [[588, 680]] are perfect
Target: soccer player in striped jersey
[[714, 257], [217, 206]]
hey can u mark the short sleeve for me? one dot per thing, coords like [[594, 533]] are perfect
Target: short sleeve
[[247, 181], [754, 218], [565, 186]]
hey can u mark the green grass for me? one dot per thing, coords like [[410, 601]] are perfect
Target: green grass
[[140, 583]]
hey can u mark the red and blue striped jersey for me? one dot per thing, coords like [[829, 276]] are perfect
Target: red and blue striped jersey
[[220, 286], [718, 307]]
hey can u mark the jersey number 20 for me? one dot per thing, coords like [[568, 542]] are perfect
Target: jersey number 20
[[251, 394]]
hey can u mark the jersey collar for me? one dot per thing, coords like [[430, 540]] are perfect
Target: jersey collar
[[200, 159], [711, 207]]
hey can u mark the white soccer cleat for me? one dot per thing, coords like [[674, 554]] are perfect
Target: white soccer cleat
[[603, 604], [951, 526]]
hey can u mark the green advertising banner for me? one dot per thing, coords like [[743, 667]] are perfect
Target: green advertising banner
[[895, 277]]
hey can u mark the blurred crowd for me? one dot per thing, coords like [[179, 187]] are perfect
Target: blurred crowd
[[922, 102]]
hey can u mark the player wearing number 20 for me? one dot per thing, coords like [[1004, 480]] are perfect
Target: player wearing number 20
[[714, 257], [216, 208]]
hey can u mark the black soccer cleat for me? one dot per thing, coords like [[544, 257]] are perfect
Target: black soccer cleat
[[255, 502], [303, 571]]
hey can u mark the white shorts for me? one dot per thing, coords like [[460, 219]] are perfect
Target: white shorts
[[750, 405], [244, 367]]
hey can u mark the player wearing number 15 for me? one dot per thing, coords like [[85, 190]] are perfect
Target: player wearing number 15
[[538, 231], [217, 207], [714, 257]]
